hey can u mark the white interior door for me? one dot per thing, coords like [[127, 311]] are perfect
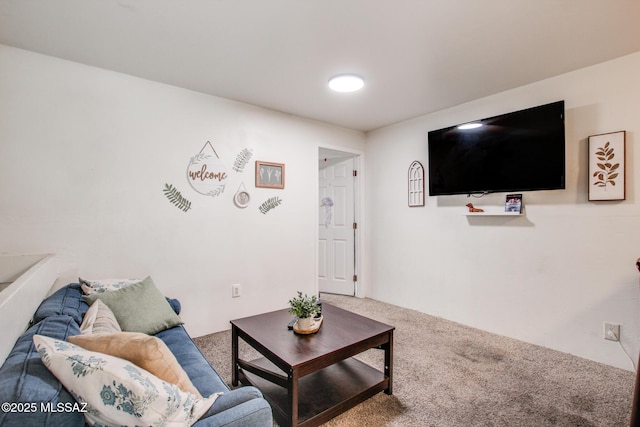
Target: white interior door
[[336, 245]]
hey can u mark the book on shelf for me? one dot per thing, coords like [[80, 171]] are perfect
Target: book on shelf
[[513, 203]]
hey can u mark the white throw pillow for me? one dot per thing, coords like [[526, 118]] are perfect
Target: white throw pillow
[[104, 285], [99, 319], [117, 392]]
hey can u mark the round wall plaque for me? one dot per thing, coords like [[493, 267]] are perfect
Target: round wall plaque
[[242, 197]]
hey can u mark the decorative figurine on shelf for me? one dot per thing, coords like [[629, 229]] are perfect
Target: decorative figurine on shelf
[[472, 209]]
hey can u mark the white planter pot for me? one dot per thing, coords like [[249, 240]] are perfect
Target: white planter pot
[[306, 323]]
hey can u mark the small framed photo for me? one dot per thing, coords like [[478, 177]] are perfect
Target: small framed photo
[[607, 166], [513, 203], [269, 175]]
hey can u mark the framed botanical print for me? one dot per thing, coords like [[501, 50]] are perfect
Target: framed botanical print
[[269, 175], [607, 166]]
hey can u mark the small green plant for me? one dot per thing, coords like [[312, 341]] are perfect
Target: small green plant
[[304, 306]]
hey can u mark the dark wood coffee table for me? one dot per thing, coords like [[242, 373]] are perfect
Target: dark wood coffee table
[[309, 379]]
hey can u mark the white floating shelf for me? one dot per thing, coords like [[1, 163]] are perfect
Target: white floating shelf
[[495, 213]]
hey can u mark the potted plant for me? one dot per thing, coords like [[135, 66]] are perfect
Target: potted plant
[[304, 307]]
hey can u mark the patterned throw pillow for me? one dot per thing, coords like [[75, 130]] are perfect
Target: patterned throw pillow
[[90, 287], [115, 391], [99, 319]]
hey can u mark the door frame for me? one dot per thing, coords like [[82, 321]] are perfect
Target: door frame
[[358, 212]]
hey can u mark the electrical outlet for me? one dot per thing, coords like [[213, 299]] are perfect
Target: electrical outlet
[[235, 291], [611, 331]]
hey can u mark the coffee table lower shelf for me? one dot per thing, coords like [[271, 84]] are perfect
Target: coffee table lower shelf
[[321, 395]]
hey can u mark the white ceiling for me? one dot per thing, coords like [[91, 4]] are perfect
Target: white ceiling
[[417, 56]]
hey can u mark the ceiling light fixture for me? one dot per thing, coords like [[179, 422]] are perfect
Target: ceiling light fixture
[[346, 83], [469, 126]]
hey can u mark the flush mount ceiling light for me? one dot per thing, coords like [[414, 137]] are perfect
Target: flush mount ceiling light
[[469, 126], [346, 83]]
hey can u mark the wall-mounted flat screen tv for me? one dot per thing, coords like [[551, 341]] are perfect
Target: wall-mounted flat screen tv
[[519, 151]]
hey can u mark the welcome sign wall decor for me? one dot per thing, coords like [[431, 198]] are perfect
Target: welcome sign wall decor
[[206, 173]]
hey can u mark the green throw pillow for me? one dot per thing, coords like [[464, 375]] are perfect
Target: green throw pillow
[[139, 308]]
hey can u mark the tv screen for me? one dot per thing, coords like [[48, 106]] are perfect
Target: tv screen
[[519, 151]]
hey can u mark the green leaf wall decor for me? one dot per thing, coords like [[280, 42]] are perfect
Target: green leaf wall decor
[[176, 198], [242, 159], [271, 203]]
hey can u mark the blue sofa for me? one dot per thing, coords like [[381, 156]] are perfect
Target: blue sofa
[[25, 380]]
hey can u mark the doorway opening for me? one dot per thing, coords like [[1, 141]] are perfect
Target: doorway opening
[[338, 228]]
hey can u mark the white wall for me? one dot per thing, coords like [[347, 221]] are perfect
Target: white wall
[[85, 154], [550, 277], [84, 157]]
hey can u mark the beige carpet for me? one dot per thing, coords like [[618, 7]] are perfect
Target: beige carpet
[[446, 374]]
